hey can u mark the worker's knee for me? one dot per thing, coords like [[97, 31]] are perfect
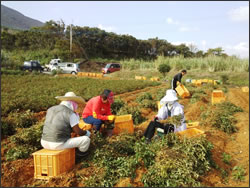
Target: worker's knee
[[85, 142]]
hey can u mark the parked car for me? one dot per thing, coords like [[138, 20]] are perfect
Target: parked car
[[53, 65], [32, 65], [67, 67], [111, 67]]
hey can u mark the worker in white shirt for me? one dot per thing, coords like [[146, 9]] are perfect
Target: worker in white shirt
[[170, 107]]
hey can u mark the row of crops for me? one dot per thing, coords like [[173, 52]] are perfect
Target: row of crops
[[168, 161]]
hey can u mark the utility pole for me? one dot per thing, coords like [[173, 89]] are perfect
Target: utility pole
[[70, 38]]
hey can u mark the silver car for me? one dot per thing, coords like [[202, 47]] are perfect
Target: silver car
[[69, 68]]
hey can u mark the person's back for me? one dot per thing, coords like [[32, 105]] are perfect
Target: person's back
[[57, 125]]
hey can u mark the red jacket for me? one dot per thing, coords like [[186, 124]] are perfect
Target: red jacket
[[96, 105]]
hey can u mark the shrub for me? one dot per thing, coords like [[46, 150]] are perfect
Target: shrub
[[117, 105], [224, 79], [18, 152], [26, 142], [135, 111], [181, 165], [164, 68], [7, 128], [146, 95], [222, 116]]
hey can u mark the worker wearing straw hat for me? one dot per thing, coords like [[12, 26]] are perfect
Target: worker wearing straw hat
[[60, 121], [170, 107]]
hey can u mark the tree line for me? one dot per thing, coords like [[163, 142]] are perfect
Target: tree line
[[95, 43]]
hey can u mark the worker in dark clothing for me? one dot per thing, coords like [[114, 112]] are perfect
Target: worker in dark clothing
[[177, 78]]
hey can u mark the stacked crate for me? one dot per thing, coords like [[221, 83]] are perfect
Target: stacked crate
[[218, 96]]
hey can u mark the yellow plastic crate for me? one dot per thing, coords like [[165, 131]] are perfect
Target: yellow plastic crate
[[159, 105], [192, 124], [210, 81], [245, 89], [50, 163], [123, 123], [204, 80], [193, 132], [84, 126], [193, 81], [138, 77], [99, 75], [218, 96], [198, 83], [143, 78], [182, 91], [155, 79]]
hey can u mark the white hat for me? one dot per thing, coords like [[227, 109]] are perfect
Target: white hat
[[71, 96], [170, 96]]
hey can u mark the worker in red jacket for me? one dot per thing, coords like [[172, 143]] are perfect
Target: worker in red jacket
[[98, 109]]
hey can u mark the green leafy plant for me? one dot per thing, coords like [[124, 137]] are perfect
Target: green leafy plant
[[238, 173], [164, 68], [117, 105], [226, 158], [144, 96], [135, 111], [224, 78]]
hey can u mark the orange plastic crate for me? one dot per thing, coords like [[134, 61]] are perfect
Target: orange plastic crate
[[193, 132], [192, 125], [218, 93], [182, 91], [123, 123], [84, 126], [218, 96], [50, 163]]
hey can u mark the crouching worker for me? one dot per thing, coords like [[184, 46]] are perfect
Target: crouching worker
[[60, 121], [98, 110], [170, 108]]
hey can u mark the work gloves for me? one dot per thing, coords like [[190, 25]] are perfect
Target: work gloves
[[111, 117]]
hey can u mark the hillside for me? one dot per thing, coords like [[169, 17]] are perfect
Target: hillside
[[13, 19]]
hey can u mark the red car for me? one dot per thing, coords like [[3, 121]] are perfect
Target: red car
[[111, 67]]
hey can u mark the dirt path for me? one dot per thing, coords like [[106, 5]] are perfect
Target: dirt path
[[236, 145], [20, 172]]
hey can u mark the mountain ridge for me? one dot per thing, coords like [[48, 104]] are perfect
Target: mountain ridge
[[13, 19]]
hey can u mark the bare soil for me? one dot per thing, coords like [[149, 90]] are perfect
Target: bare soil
[[20, 173]]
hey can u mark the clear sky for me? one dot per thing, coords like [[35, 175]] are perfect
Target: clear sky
[[205, 24]]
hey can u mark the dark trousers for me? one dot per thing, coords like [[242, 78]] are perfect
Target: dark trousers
[[174, 84], [97, 123], [150, 131]]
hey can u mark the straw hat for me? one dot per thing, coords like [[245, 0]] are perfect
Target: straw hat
[[170, 96], [71, 96]]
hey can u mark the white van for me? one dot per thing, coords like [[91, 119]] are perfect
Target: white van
[[69, 68], [53, 65]]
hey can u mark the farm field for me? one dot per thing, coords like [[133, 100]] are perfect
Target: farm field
[[225, 146]]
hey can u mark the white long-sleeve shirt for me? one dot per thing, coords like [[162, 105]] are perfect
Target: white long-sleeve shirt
[[176, 110]]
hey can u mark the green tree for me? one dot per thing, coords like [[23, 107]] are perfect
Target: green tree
[[164, 68]]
